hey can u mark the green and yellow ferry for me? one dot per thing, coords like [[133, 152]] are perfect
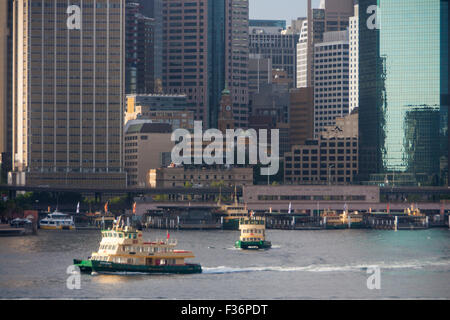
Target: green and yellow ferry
[[234, 213], [253, 233], [122, 249]]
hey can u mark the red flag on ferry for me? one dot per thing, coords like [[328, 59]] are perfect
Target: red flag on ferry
[[106, 207], [134, 208], [168, 234]]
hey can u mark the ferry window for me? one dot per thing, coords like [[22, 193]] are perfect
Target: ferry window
[[120, 235], [134, 236]]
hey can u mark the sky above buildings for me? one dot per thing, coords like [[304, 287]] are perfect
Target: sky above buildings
[[279, 9]]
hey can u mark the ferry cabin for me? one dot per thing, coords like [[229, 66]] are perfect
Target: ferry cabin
[[125, 246], [57, 220], [252, 229]]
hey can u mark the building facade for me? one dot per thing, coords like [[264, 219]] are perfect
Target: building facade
[[267, 26], [205, 50], [68, 93], [331, 159], [331, 80], [6, 85], [139, 51], [301, 112], [199, 177], [281, 48], [279, 197], [403, 90], [259, 73], [146, 146], [354, 59], [160, 108], [332, 15]]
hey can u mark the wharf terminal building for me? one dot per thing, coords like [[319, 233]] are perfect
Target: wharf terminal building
[[68, 94]]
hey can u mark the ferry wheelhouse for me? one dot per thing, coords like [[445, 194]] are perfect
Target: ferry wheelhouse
[[234, 213], [122, 249], [57, 221], [253, 233]]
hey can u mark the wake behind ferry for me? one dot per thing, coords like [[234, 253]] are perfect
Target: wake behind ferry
[[122, 249]]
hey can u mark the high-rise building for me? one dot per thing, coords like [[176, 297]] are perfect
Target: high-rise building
[[68, 93], [331, 80], [332, 15], [301, 113], [281, 48], [403, 90], [153, 9], [4, 75], [206, 50], [6, 18], [139, 51], [354, 59]]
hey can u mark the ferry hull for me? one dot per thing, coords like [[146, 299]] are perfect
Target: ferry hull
[[57, 227], [88, 266], [253, 244]]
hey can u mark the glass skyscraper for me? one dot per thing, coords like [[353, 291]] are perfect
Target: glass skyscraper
[[403, 98]]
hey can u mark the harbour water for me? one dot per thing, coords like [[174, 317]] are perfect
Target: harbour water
[[301, 265]]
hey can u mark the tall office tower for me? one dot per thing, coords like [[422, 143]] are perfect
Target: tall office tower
[[331, 80], [206, 50], [6, 87], [354, 59], [3, 76], [153, 9], [403, 91], [302, 56], [68, 93], [281, 48], [139, 51], [301, 114], [236, 58], [332, 15]]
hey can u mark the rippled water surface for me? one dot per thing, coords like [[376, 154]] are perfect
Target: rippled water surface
[[301, 265]]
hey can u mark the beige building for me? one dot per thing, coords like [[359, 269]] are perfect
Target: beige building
[[332, 159], [147, 146], [312, 196], [68, 97], [199, 177]]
